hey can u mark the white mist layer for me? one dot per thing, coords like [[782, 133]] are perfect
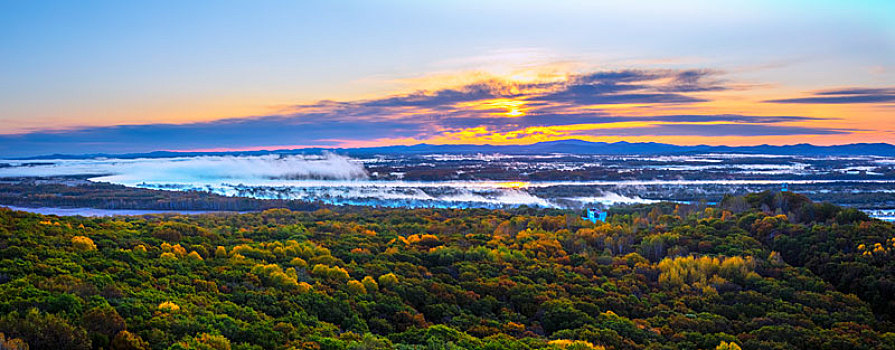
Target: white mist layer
[[196, 169], [611, 198], [446, 195], [335, 179]]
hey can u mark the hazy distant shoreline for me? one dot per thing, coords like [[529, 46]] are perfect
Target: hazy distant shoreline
[[94, 212]]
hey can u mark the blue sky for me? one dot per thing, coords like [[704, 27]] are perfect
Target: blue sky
[[72, 68]]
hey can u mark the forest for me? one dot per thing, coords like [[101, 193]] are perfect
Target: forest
[[768, 270]]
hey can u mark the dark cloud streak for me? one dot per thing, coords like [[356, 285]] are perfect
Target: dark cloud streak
[[712, 130], [425, 114], [845, 96]]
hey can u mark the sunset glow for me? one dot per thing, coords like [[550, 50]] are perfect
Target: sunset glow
[[447, 174], [513, 184], [606, 80]]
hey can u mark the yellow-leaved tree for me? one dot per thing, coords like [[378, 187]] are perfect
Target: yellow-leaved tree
[[388, 280], [82, 243], [356, 288], [168, 306], [370, 284], [728, 346]]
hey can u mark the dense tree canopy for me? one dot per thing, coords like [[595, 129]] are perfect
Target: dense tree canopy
[[765, 271]]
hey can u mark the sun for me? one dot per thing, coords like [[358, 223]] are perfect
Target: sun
[[514, 112], [506, 107]]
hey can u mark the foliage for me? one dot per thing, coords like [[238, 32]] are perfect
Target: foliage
[[764, 271]]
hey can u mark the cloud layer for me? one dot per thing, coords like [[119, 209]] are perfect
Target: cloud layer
[[845, 95], [620, 103]]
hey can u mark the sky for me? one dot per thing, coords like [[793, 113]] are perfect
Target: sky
[[137, 76]]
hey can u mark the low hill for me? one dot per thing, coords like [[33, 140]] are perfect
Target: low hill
[[563, 146]]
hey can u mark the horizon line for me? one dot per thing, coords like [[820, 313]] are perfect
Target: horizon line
[[266, 149]]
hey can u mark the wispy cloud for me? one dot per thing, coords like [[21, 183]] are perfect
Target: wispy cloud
[[844, 96], [604, 103]]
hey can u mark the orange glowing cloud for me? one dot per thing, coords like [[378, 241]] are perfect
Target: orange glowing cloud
[[509, 107], [519, 106]]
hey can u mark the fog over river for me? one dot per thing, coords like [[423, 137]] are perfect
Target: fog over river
[[491, 181]]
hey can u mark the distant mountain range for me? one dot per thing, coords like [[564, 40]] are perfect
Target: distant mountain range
[[563, 146]]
